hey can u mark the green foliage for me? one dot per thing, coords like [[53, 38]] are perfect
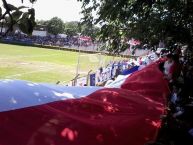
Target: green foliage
[[55, 26], [72, 28], [32, 1], [22, 16], [90, 30], [148, 21], [42, 22], [0, 12]]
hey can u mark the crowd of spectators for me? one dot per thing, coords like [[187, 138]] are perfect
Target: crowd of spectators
[[178, 124], [178, 72], [177, 69], [47, 40], [116, 68], [113, 69]]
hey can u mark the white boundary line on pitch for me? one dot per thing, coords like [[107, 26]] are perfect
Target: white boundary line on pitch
[[31, 72], [31, 56]]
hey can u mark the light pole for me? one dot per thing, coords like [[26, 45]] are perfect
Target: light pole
[[78, 60]]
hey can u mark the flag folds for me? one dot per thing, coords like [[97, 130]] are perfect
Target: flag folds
[[129, 115]]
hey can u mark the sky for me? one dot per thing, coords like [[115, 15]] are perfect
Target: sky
[[67, 10]]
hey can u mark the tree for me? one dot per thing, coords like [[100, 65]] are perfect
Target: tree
[[72, 28], [22, 16], [55, 26], [147, 20], [42, 22], [90, 30]]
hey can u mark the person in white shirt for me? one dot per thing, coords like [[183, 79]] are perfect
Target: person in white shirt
[[167, 65]]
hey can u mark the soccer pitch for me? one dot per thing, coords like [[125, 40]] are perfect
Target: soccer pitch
[[46, 65]]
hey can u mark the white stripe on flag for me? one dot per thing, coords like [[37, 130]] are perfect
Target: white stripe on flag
[[17, 94]]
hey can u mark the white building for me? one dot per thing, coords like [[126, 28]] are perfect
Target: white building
[[39, 33]]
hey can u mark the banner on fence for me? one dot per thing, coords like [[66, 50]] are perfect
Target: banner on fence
[[92, 79]]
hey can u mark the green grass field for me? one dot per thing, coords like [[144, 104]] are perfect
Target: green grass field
[[45, 65]]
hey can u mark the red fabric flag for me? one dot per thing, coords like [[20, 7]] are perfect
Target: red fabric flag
[[126, 116]]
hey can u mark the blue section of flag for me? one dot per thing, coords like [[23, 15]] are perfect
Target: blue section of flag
[[17, 94], [129, 71]]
